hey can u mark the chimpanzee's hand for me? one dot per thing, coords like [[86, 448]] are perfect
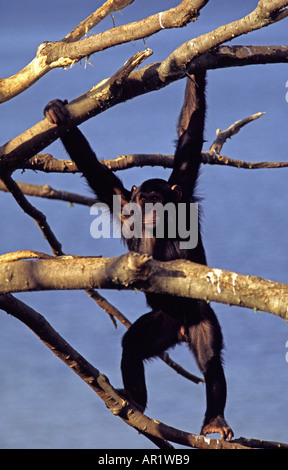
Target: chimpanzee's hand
[[56, 112]]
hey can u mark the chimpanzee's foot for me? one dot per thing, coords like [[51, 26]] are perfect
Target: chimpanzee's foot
[[219, 425]]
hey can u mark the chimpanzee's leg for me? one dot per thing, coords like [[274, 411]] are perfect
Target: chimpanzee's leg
[[150, 335], [206, 342]]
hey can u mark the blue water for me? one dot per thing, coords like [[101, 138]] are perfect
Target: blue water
[[43, 404]]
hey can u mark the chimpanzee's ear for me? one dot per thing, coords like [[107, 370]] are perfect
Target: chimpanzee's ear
[[133, 189], [177, 192]]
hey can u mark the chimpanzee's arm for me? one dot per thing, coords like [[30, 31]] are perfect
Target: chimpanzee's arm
[[100, 178], [190, 131]]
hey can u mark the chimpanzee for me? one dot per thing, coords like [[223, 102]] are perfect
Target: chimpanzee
[[172, 319]]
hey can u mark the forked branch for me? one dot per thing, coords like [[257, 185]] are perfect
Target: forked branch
[[13, 154], [72, 48]]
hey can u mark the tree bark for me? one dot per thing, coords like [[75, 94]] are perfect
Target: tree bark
[[134, 271], [70, 50], [13, 154]]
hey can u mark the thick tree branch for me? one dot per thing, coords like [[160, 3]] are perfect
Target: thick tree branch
[[177, 17], [67, 52], [14, 153], [190, 55], [41, 221], [12, 86], [266, 13], [112, 311], [130, 271], [240, 56]]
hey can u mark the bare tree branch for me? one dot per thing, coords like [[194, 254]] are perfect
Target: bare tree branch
[[124, 162], [177, 17], [67, 52], [45, 191], [31, 271], [47, 163], [266, 13], [109, 7], [37, 215], [157, 432], [222, 136], [212, 159], [12, 86], [240, 56], [179, 277], [14, 153], [105, 305], [41, 221], [23, 254], [62, 349]]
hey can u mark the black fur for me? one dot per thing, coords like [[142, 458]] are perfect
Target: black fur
[[172, 319]]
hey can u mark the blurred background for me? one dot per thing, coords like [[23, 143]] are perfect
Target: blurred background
[[43, 404]]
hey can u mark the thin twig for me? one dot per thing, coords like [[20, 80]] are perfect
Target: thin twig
[[45, 191], [214, 159], [223, 136]]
